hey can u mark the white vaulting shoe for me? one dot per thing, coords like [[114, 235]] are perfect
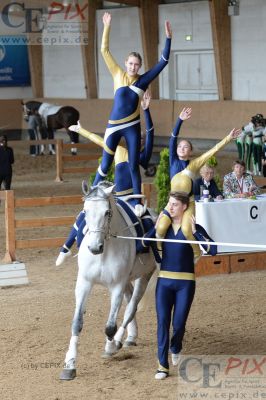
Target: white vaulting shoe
[[62, 257], [175, 358], [139, 210], [161, 375]]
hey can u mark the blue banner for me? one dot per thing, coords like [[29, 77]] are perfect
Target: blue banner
[[14, 62]]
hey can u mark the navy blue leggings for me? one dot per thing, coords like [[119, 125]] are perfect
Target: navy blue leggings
[[176, 295], [132, 137]]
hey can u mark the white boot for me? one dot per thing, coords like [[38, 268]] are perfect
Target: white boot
[[73, 150], [139, 210], [42, 149], [51, 150], [175, 359], [62, 257], [161, 375]]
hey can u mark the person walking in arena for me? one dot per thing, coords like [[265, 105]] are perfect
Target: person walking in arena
[[175, 287], [124, 120]]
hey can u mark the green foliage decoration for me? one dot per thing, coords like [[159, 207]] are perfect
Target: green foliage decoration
[[162, 180], [212, 162]]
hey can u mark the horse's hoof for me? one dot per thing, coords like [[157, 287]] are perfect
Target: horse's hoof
[[68, 374], [118, 345], [128, 343], [107, 355]]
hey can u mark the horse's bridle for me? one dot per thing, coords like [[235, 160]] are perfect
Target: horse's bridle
[[102, 229]]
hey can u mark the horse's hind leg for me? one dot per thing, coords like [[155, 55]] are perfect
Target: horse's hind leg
[[139, 289], [132, 327], [111, 327], [82, 291]]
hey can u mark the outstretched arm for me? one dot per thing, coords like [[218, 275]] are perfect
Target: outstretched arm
[[198, 162], [183, 116], [145, 79], [146, 153], [89, 135], [108, 58]]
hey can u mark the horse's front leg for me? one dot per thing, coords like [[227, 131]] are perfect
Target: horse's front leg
[[117, 293], [50, 133], [74, 137], [82, 291]]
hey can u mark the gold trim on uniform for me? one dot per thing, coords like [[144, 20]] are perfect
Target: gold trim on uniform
[[126, 119], [188, 276], [162, 369], [128, 191]]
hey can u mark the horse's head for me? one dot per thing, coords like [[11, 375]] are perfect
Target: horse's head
[[30, 108], [98, 214], [26, 111]]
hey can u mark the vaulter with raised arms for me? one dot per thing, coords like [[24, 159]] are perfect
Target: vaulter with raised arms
[[124, 120]]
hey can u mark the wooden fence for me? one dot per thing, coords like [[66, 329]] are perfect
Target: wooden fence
[[63, 159], [12, 223], [207, 265]]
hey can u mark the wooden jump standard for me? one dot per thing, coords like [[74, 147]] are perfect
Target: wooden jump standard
[[11, 223], [62, 158]]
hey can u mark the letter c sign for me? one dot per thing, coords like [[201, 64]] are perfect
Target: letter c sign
[[253, 213]]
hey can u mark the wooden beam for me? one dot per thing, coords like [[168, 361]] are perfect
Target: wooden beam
[[221, 33], [149, 22], [36, 69], [89, 52], [133, 3]]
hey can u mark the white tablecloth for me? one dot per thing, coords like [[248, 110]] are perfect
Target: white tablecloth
[[234, 221]]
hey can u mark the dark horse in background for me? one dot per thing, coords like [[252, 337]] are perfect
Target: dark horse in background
[[51, 118]]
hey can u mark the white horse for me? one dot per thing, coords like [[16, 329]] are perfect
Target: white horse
[[106, 260]]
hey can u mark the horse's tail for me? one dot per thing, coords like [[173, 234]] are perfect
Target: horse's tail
[[149, 294]]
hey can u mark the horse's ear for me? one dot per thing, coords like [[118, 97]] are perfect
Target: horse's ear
[[85, 188], [109, 190]]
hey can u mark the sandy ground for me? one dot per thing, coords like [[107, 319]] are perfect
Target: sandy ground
[[227, 316]]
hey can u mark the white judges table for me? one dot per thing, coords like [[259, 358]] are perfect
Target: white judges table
[[234, 221]]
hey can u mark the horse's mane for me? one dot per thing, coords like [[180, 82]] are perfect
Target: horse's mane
[[32, 105]]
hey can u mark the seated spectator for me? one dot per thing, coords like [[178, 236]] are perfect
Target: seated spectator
[[239, 183], [207, 182]]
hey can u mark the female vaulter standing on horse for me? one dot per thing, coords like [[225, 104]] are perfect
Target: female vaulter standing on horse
[[125, 115]]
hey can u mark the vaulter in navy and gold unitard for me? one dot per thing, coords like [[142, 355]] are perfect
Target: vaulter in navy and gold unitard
[[176, 282], [124, 119], [182, 173], [122, 178]]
